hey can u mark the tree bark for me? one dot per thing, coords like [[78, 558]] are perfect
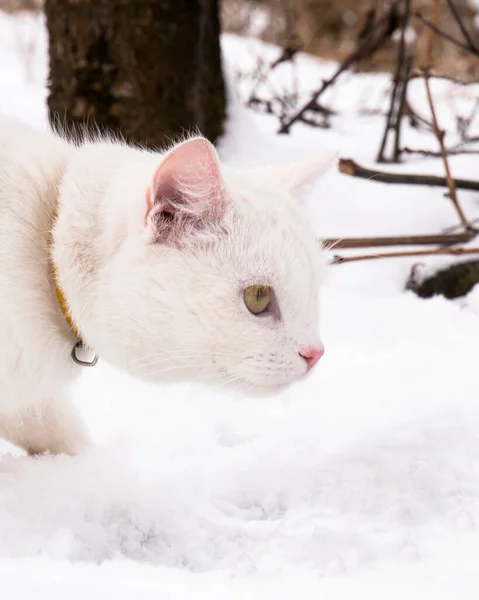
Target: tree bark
[[148, 69]]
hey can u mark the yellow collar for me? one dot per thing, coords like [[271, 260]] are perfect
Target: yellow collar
[[62, 301], [79, 348]]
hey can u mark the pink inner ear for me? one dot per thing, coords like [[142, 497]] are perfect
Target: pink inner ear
[[190, 173], [149, 205]]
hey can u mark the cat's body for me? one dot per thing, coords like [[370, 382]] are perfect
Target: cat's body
[[153, 254]]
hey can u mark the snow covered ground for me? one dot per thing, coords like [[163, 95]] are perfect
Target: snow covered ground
[[362, 482]]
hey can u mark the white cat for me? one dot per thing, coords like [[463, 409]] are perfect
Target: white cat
[[171, 268]]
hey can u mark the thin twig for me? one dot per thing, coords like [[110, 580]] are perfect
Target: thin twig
[[401, 240], [398, 103], [287, 55], [433, 75], [350, 167], [405, 72], [464, 124], [440, 138], [380, 157], [437, 130], [324, 110], [394, 95], [433, 154], [416, 118], [313, 123], [457, 227], [472, 140], [338, 260]]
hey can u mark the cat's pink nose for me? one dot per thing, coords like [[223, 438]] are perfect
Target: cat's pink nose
[[311, 356]]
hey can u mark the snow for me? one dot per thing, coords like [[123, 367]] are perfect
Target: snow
[[362, 481]]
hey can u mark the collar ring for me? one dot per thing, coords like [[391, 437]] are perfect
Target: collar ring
[[82, 363]]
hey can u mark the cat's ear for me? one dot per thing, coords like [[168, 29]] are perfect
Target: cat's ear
[[300, 178], [187, 192]]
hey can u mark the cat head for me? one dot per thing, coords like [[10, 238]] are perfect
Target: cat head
[[218, 277]]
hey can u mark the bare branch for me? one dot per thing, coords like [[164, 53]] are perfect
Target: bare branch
[[416, 119], [440, 138], [437, 130], [324, 110], [315, 123], [339, 260], [405, 73], [287, 55], [398, 103], [433, 154], [402, 240], [349, 167], [435, 75]]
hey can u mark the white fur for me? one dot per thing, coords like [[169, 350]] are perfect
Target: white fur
[[159, 311]]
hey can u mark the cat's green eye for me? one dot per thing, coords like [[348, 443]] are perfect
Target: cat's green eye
[[257, 298]]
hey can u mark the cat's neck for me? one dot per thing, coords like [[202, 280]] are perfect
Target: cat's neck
[[101, 200]]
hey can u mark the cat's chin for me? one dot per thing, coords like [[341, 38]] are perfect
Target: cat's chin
[[247, 389], [271, 390], [261, 392]]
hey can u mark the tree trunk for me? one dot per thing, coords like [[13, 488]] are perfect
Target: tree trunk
[[149, 69]]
